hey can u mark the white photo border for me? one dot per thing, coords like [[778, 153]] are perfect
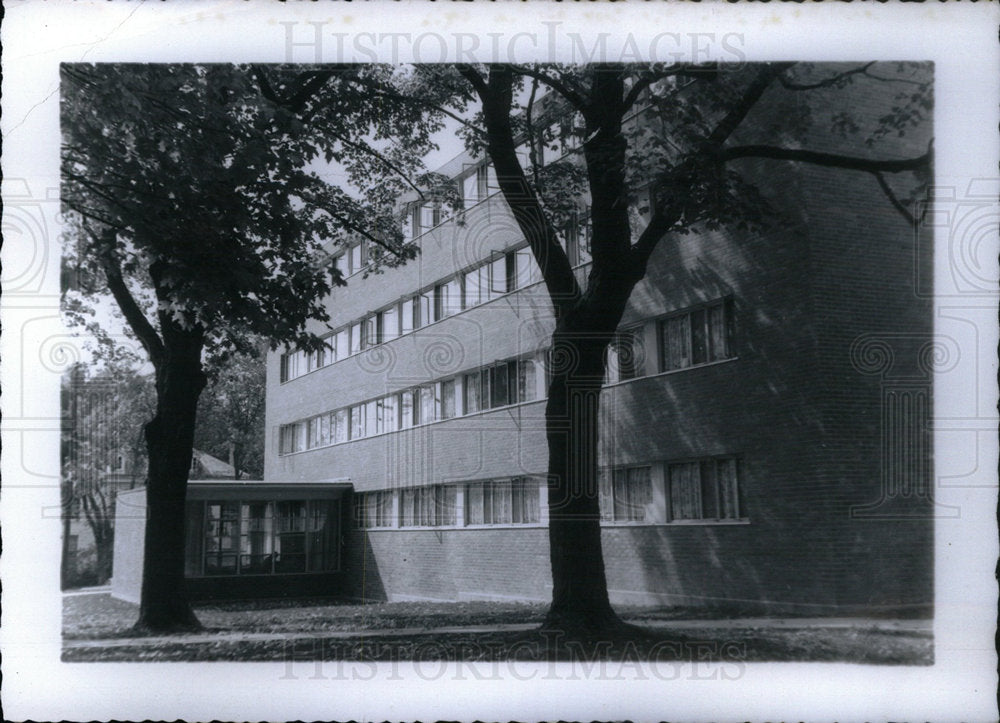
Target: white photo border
[[38, 36]]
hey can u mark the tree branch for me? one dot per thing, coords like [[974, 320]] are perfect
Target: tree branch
[[529, 129], [137, 320], [832, 160], [893, 199], [474, 77], [826, 82], [381, 158], [497, 100], [741, 108], [574, 98], [646, 80], [382, 91]]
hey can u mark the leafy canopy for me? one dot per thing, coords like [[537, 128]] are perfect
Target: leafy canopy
[[202, 189]]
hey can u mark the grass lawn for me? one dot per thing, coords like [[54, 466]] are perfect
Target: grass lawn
[[309, 630]]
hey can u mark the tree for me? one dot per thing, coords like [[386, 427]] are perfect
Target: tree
[[231, 414], [686, 149], [190, 194], [102, 449]]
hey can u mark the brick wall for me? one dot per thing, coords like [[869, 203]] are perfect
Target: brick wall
[[833, 267]]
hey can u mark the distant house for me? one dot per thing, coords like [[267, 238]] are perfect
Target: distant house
[[765, 440], [89, 527], [205, 466]]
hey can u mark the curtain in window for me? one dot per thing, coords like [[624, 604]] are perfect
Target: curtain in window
[[729, 506], [532, 506], [677, 342], [526, 380], [718, 342], [685, 491], [474, 504], [448, 399], [473, 390]]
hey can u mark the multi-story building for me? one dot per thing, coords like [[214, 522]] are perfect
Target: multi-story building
[[764, 438]]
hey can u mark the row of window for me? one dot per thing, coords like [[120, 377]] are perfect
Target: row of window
[[266, 537], [699, 490], [505, 273], [508, 382], [493, 502], [689, 338]]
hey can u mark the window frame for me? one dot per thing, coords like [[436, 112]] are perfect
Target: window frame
[[329, 552], [737, 479], [689, 314]]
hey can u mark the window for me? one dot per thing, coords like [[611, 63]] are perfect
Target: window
[[294, 364], [448, 401], [428, 404], [706, 489], [291, 438], [407, 320], [267, 537], [426, 311], [427, 506], [698, 336], [625, 356], [355, 332], [526, 271], [430, 216], [407, 409], [371, 418], [526, 380], [624, 493], [342, 265], [489, 281], [503, 384], [357, 415], [357, 257], [508, 382], [369, 332], [385, 414], [477, 283], [316, 360], [502, 502], [338, 426], [447, 299], [471, 192], [318, 434], [388, 324], [221, 538], [407, 225], [256, 537], [342, 346], [472, 384], [373, 509]]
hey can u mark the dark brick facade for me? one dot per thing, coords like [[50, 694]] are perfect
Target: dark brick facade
[[820, 298]]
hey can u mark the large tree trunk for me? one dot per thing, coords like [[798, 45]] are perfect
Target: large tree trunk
[[170, 440], [580, 604], [105, 554]]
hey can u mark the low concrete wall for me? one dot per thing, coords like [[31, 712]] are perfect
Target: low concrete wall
[[130, 536]]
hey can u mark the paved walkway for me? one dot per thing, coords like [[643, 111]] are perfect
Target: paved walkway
[[102, 590], [741, 623]]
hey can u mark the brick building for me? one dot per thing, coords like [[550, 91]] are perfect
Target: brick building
[[764, 441]]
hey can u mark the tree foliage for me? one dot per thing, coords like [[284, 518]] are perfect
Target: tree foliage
[[231, 414], [198, 195]]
